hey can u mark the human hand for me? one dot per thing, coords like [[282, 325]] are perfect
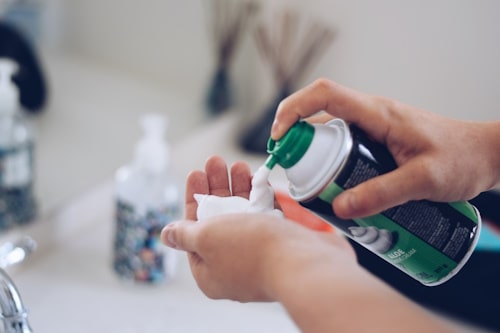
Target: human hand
[[246, 257], [439, 158]]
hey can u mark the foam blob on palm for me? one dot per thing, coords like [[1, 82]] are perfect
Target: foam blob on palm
[[261, 200]]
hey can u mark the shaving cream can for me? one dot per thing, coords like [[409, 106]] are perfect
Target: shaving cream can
[[430, 241]]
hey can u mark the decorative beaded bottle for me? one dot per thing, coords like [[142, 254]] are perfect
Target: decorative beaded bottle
[[147, 198], [17, 202]]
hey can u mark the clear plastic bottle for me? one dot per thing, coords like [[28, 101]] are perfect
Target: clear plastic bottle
[[17, 202], [147, 198]]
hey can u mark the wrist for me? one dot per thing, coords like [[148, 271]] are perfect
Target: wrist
[[324, 297], [301, 264], [491, 144]]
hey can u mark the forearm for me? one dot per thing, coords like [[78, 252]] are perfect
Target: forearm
[[340, 300]]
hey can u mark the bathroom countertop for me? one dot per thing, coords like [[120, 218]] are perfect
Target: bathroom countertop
[[68, 283]]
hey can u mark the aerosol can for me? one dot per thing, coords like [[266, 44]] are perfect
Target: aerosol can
[[430, 241]]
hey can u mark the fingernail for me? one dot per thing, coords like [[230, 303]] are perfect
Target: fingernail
[[168, 235], [275, 129]]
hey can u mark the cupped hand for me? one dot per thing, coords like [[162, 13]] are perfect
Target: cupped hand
[[245, 257], [439, 158]]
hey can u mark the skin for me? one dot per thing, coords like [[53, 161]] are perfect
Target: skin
[[439, 158], [205, 242], [255, 257]]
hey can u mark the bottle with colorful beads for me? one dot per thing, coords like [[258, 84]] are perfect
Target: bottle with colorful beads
[[146, 199], [17, 200]]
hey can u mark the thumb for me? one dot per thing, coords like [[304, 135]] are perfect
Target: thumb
[[180, 235], [380, 193]]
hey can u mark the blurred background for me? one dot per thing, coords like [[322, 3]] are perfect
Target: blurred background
[[106, 63], [440, 56]]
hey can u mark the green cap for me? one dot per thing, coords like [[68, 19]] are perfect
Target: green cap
[[291, 147]]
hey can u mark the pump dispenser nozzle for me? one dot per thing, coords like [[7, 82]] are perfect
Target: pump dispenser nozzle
[[152, 151], [9, 93]]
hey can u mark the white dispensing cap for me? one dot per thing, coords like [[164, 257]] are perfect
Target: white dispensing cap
[[152, 152], [9, 93]]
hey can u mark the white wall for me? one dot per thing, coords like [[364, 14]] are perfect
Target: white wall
[[440, 55], [161, 39]]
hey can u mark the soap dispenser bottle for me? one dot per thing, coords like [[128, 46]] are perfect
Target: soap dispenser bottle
[[147, 198], [17, 202]]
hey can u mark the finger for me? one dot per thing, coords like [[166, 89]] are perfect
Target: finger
[[383, 192], [337, 100], [181, 235], [217, 175], [196, 182], [319, 118], [241, 179]]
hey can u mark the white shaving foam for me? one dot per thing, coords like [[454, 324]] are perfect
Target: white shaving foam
[[261, 199]]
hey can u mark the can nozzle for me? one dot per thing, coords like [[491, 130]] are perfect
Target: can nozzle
[[288, 150], [271, 162]]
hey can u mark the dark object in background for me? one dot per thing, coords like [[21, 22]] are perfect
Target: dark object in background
[[290, 53], [256, 137], [471, 296], [220, 94], [228, 22], [29, 78]]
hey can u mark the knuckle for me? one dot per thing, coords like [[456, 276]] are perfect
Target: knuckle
[[390, 107], [430, 180], [322, 84]]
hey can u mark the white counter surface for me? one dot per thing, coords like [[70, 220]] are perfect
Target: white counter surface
[[88, 130]]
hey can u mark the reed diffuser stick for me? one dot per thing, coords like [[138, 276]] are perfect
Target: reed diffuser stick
[[229, 19]]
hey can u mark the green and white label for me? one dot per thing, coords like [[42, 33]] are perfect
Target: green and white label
[[428, 240]]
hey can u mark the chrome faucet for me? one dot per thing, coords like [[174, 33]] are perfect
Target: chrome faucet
[[13, 314]]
